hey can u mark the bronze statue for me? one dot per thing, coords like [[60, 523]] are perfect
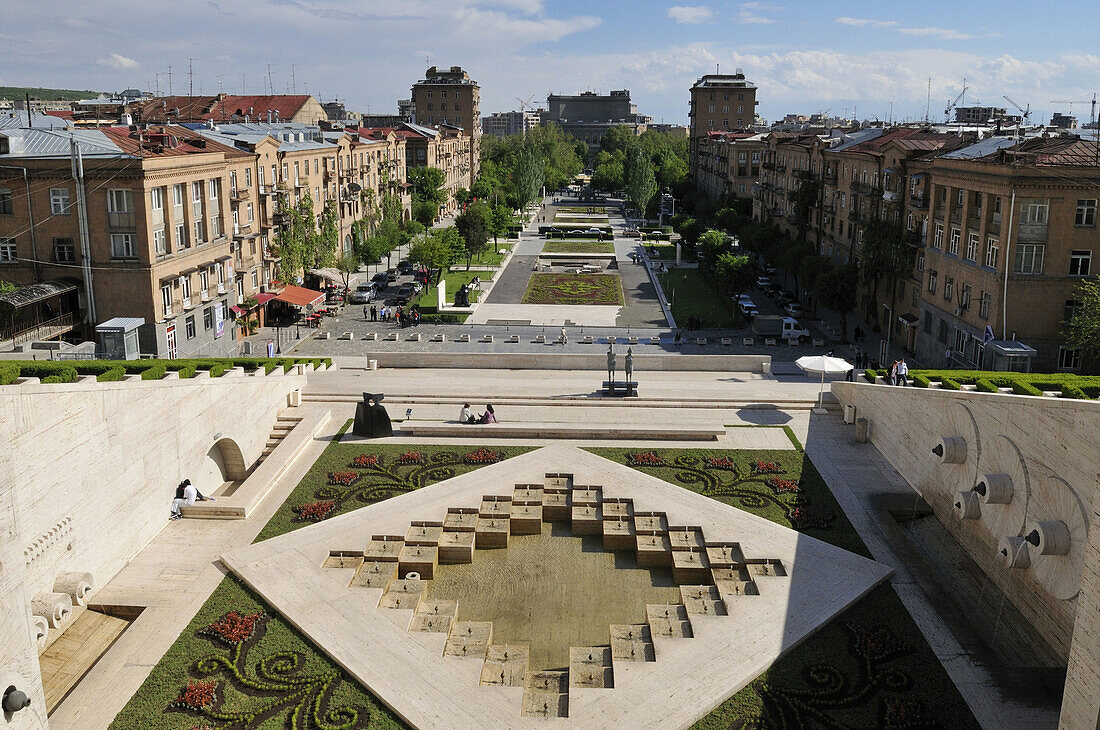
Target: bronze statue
[[611, 363], [629, 364]]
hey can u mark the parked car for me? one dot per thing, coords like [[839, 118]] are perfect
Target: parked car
[[763, 282], [784, 297], [363, 294], [380, 280], [793, 309], [748, 309], [404, 266], [744, 298], [770, 270], [391, 275]]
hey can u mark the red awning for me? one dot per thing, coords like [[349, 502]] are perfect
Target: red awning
[[235, 309], [300, 296], [264, 297]]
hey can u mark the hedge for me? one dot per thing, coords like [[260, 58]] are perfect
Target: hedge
[[1021, 383], [920, 381], [68, 371], [949, 384], [1020, 387], [1072, 391], [987, 387]]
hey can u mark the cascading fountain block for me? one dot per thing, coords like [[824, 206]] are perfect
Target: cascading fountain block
[[1048, 537], [1014, 552], [994, 489], [967, 506], [950, 450]]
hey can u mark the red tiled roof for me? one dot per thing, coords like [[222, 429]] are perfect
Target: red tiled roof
[[200, 108], [180, 141], [60, 113]]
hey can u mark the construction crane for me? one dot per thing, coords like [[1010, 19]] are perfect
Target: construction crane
[[1025, 112], [1092, 114], [952, 104], [524, 104]]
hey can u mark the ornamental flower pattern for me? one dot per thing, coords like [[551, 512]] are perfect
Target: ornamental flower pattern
[[782, 486], [233, 627], [196, 696], [482, 456], [411, 457], [646, 458], [315, 511], [766, 467], [343, 478], [364, 461]]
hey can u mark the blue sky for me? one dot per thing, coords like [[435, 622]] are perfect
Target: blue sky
[[805, 57]]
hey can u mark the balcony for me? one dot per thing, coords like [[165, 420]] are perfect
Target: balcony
[[205, 295], [829, 208], [221, 287], [302, 181], [866, 188], [187, 303], [240, 231], [267, 189], [919, 202], [271, 254], [238, 195], [956, 217], [830, 177]]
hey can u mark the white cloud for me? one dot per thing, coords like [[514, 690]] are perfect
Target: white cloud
[[117, 62], [690, 14], [866, 22], [750, 13], [760, 6], [941, 33], [750, 19]]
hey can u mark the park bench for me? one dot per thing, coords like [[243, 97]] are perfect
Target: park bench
[[464, 338], [439, 337], [726, 341], [392, 336], [620, 388]]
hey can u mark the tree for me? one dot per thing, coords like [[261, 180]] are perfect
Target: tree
[[500, 218], [608, 173], [638, 179], [347, 265], [436, 249], [528, 177], [886, 254], [474, 229], [1083, 330], [804, 198], [712, 246], [836, 289], [326, 241], [429, 195], [735, 276]]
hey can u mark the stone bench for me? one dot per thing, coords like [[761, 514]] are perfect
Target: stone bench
[[414, 337], [620, 387], [541, 339], [346, 336], [818, 342], [372, 336], [726, 341], [632, 340], [322, 335], [563, 430], [748, 341], [392, 336], [514, 339], [440, 337], [700, 340], [486, 338], [769, 341], [654, 340], [464, 338], [612, 340], [586, 340]]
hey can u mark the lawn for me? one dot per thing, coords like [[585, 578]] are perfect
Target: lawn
[[665, 252], [870, 666], [577, 289], [492, 257], [454, 279], [589, 245], [690, 296], [262, 672]]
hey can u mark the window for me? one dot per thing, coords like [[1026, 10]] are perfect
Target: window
[[156, 199], [920, 262], [122, 246], [1086, 213], [216, 227], [740, 110], [181, 235], [208, 318], [1080, 262], [204, 279], [1069, 358], [960, 196], [59, 201], [942, 337], [189, 327], [1029, 258], [120, 201], [5, 202], [964, 296], [160, 245], [443, 107], [937, 239], [953, 246], [1072, 309], [458, 107], [992, 250], [928, 318], [932, 276], [200, 232], [248, 177], [177, 194], [185, 290], [214, 187], [985, 304], [64, 252], [248, 209], [1034, 213], [196, 192], [909, 225], [948, 287], [7, 250], [972, 247], [255, 280], [725, 110], [166, 299]]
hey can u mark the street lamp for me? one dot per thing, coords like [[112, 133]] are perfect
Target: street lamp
[[278, 341]]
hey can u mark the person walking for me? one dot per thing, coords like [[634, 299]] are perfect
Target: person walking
[[373, 313], [366, 312], [947, 358], [563, 338], [894, 373], [903, 373]]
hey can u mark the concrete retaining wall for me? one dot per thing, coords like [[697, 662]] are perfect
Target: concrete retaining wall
[[1047, 448], [87, 474], [597, 361]]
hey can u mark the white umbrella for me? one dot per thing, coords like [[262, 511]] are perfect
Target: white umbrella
[[822, 364]]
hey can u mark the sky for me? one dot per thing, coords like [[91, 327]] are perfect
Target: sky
[[850, 58]]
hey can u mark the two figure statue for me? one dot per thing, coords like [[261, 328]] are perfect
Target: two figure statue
[[628, 362]]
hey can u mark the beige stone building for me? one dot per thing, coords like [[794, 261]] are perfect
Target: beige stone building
[[729, 163], [719, 103], [450, 97], [226, 108]]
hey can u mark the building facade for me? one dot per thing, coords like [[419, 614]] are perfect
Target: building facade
[[503, 124], [719, 103], [588, 116], [450, 97], [301, 108]]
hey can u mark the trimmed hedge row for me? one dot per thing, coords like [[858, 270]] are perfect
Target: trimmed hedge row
[[1070, 385], [52, 371]]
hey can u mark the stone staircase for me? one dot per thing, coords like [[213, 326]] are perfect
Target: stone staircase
[[282, 428]]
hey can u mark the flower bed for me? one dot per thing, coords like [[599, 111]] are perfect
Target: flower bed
[[645, 458], [577, 289], [782, 486], [315, 511], [411, 457], [196, 696], [233, 628], [343, 478], [720, 462], [364, 461], [482, 456], [579, 246], [766, 467]]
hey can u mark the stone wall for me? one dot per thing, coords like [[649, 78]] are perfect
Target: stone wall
[[87, 474], [596, 361], [1046, 450]]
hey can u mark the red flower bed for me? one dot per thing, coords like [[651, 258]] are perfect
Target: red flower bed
[[343, 478], [766, 467], [411, 457], [802, 518], [782, 486], [315, 510], [364, 461], [720, 462], [233, 627], [196, 695], [482, 456], [646, 458]]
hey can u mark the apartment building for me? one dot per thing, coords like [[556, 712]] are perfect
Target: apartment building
[[447, 149], [450, 97], [381, 155], [588, 116], [158, 243], [730, 163], [1013, 232], [503, 124], [301, 108], [719, 103]]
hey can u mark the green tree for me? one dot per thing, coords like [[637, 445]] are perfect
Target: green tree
[[712, 246], [608, 173], [621, 138], [837, 289], [638, 179], [887, 255], [528, 177], [499, 220], [804, 197], [326, 241], [1083, 330], [436, 249], [473, 226], [429, 195], [347, 265], [735, 276]]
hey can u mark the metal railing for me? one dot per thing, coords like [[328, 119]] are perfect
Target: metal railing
[[40, 330]]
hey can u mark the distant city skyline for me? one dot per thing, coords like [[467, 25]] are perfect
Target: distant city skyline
[[805, 58]]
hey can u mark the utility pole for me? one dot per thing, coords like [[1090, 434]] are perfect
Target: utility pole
[[82, 214], [170, 80], [190, 78], [270, 87], [293, 83]]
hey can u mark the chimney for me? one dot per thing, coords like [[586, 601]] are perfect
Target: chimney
[[269, 116]]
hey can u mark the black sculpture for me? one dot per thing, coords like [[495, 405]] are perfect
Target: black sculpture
[[462, 296], [371, 418]]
